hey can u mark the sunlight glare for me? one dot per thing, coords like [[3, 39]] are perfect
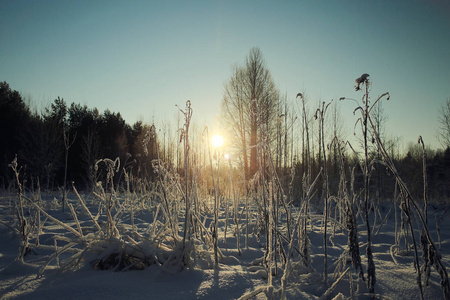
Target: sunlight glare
[[217, 141]]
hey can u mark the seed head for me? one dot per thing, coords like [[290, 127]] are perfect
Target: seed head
[[362, 79]]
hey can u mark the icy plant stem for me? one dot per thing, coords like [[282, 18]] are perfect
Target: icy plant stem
[[370, 264], [163, 188], [247, 222], [407, 210], [438, 231], [287, 267], [226, 218], [252, 294], [236, 222], [67, 145], [423, 240], [67, 227], [397, 239], [320, 112], [186, 182], [216, 259], [424, 170], [333, 286], [185, 137], [235, 209], [270, 250], [86, 209], [74, 215]]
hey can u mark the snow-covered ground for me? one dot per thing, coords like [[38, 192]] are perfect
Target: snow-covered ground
[[237, 275]]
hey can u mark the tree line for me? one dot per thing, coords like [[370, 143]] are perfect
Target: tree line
[[67, 138], [62, 143]]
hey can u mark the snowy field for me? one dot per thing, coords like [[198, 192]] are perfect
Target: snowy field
[[128, 252]]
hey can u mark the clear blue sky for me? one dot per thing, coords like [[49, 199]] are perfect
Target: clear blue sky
[[140, 58]]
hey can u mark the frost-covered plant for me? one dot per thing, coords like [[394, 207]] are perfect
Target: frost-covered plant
[[216, 207], [25, 219], [350, 219], [111, 246], [366, 167], [320, 114], [408, 204], [235, 199], [303, 239], [165, 179], [186, 147], [267, 206], [23, 224], [109, 200], [426, 268]]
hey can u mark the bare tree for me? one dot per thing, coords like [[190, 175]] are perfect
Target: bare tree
[[444, 121], [379, 119], [68, 142], [306, 149], [250, 100], [43, 153], [337, 130], [90, 148]]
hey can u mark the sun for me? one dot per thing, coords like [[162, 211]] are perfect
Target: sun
[[217, 141]]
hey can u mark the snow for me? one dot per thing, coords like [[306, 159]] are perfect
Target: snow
[[237, 276]]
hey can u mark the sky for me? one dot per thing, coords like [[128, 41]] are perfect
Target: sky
[[141, 58]]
